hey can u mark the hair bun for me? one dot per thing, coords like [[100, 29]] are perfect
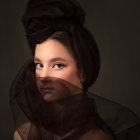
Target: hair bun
[[53, 10]]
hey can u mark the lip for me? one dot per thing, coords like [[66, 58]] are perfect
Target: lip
[[46, 90]]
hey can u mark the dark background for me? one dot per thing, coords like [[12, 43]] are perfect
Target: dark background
[[115, 25]]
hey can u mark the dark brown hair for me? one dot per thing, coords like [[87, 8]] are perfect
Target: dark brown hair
[[64, 38], [43, 19]]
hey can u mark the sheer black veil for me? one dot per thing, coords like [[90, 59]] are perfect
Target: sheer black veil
[[46, 106]]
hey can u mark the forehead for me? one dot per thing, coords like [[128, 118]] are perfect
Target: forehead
[[52, 48]]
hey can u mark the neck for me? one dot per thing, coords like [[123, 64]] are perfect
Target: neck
[[63, 116]]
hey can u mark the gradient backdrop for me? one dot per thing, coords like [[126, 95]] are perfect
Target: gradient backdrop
[[115, 25]]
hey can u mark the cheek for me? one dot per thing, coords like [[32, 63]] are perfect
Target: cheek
[[70, 75], [37, 73]]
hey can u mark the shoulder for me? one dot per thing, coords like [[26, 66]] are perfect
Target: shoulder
[[97, 135], [22, 131], [17, 136]]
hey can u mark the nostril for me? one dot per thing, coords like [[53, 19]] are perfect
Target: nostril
[[45, 80]]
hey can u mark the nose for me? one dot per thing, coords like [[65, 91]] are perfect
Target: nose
[[45, 81], [45, 72]]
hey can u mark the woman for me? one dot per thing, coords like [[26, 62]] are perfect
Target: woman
[[50, 93]]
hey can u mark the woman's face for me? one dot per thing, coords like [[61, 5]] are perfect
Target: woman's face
[[53, 59]]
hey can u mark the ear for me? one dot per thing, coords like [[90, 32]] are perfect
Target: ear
[[82, 77]]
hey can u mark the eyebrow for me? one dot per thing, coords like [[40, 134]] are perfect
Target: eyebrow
[[52, 60]]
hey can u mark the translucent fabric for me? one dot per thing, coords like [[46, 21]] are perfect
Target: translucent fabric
[[49, 108]]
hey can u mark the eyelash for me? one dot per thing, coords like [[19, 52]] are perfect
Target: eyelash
[[60, 65], [37, 64]]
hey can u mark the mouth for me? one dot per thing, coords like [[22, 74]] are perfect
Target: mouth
[[45, 91]]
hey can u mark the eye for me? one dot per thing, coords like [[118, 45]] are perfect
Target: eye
[[58, 66], [38, 65]]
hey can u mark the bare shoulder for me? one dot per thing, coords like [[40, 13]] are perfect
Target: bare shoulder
[[97, 135], [17, 136], [24, 130]]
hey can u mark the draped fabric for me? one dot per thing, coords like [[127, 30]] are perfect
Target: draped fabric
[[123, 121], [42, 18], [48, 107]]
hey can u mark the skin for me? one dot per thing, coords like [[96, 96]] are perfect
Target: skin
[[52, 59], [91, 135]]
